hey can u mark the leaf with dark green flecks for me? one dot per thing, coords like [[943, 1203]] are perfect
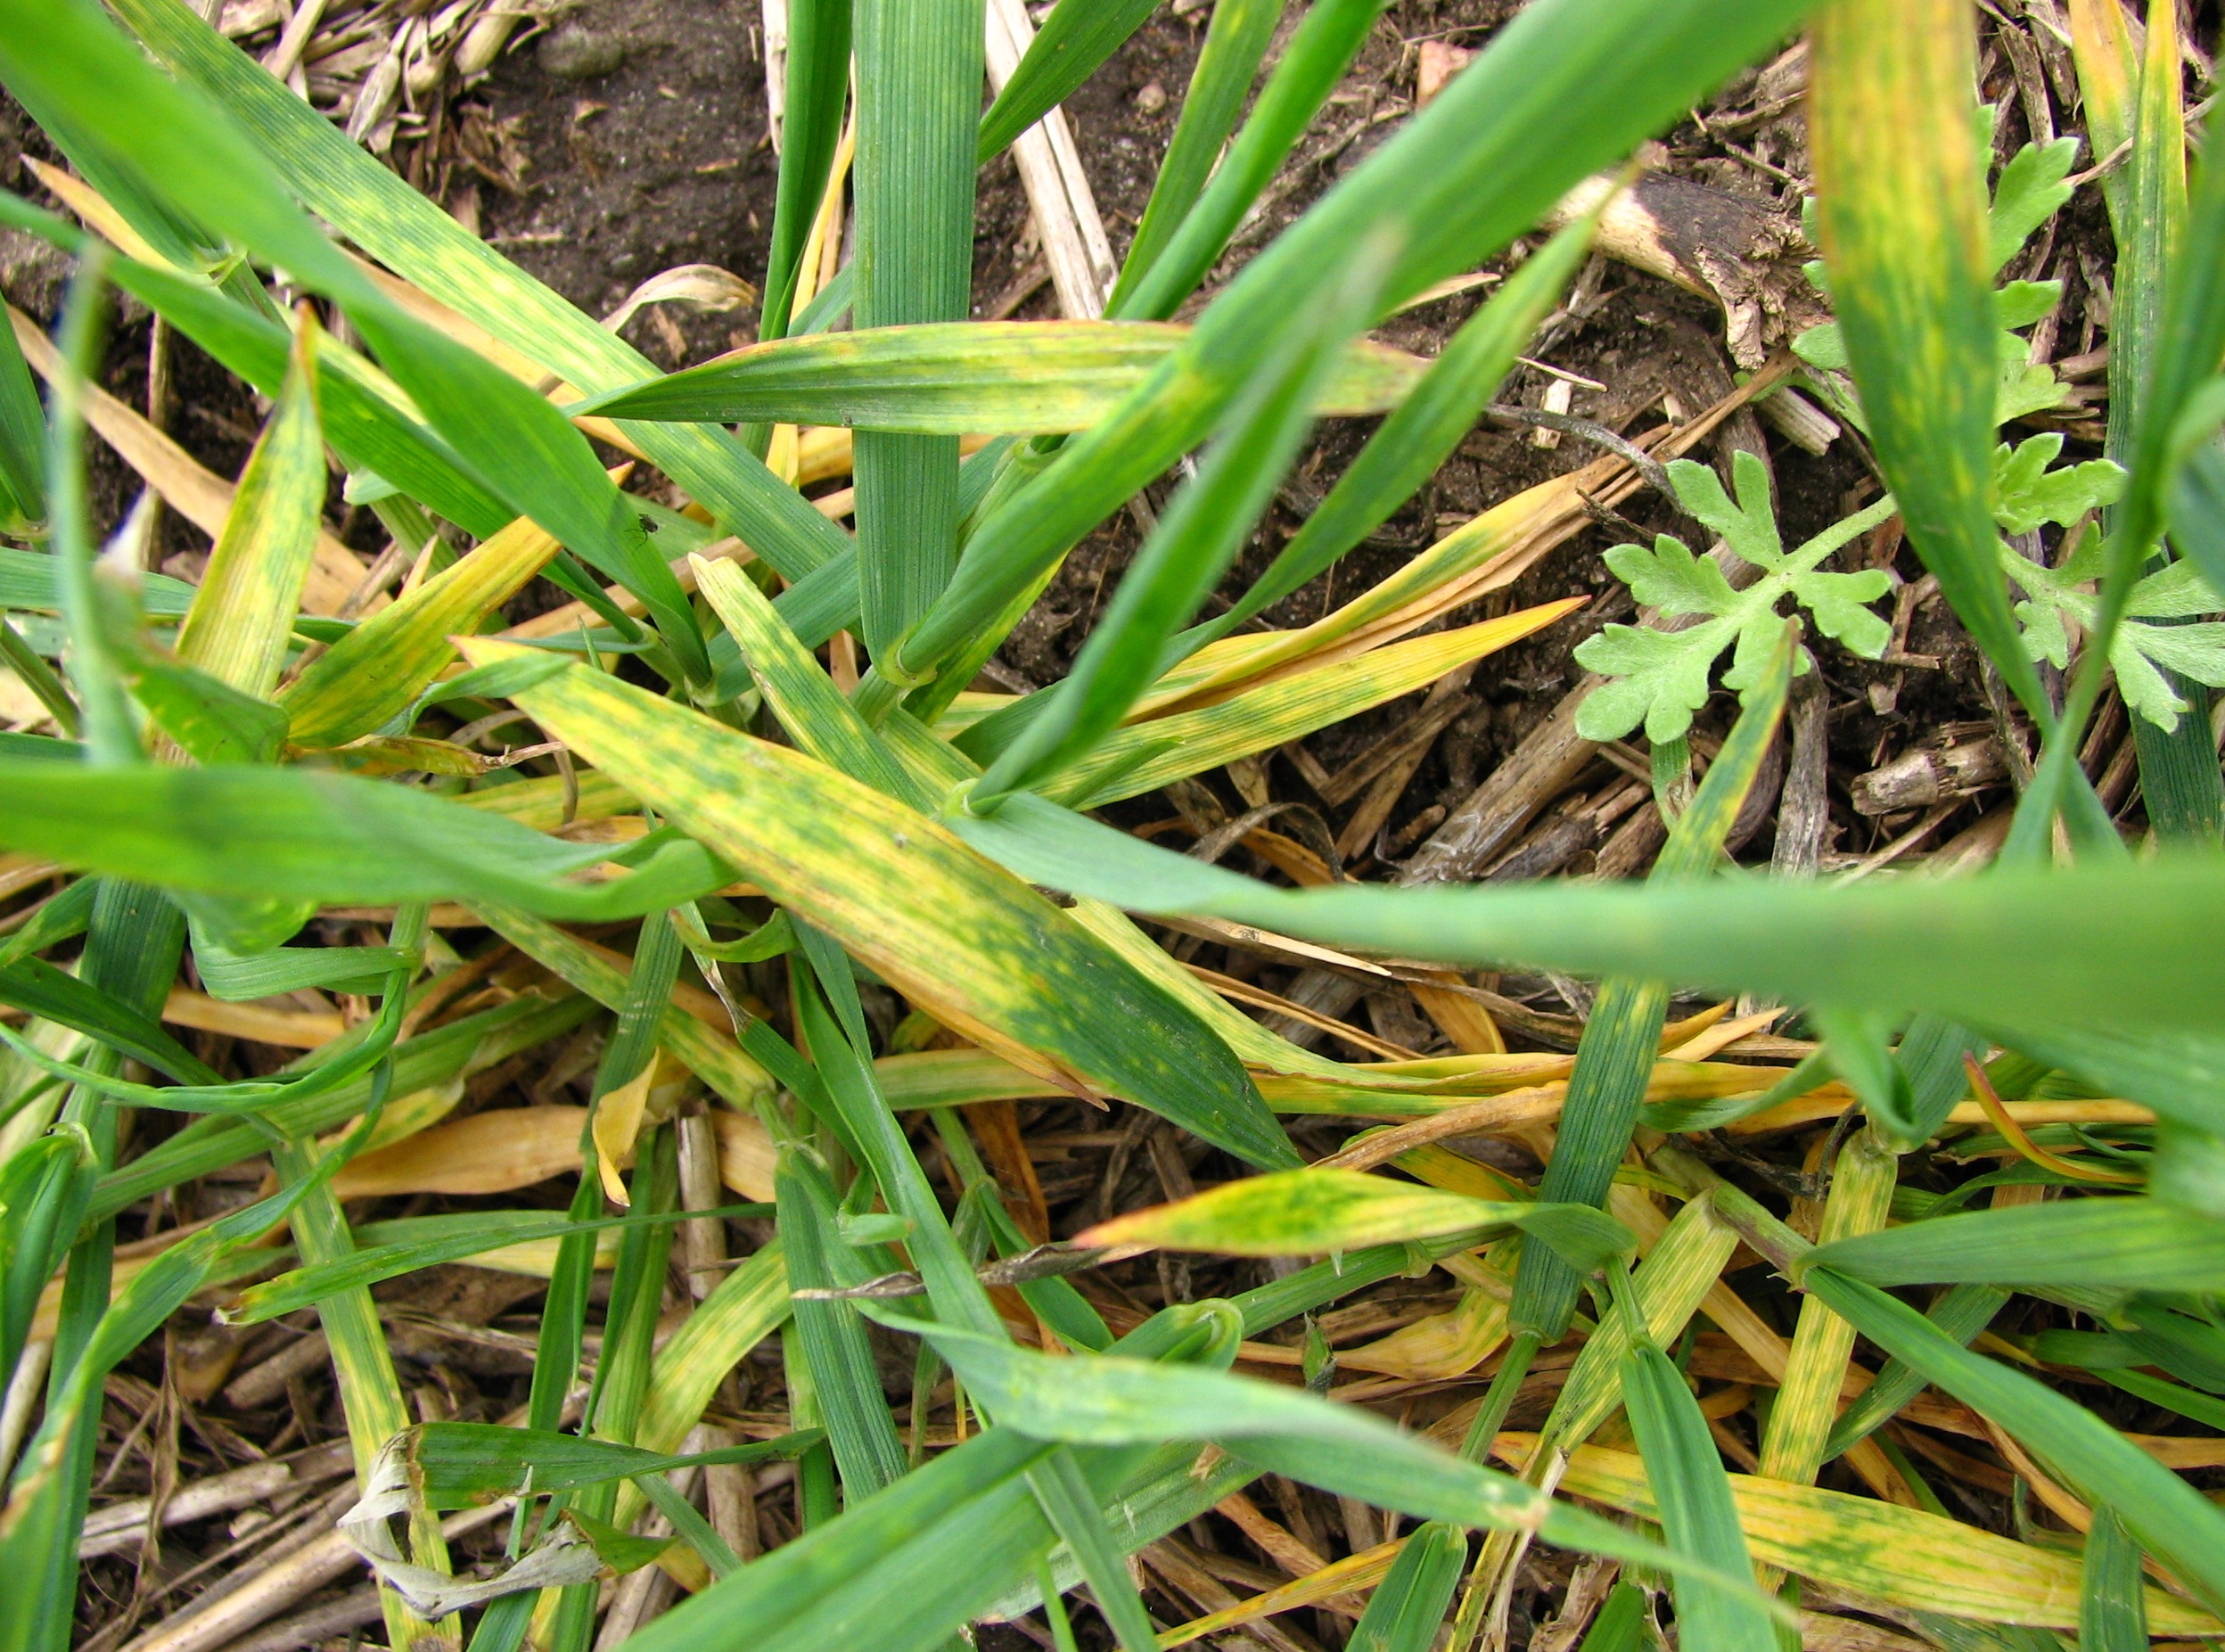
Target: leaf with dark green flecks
[[950, 379], [2170, 1520], [608, 978], [1903, 208], [1143, 755], [1306, 1212], [816, 714], [1920, 1562], [243, 613], [379, 667], [1682, 1266], [928, 915]]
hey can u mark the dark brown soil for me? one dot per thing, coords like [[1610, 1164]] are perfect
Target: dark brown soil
[[614, 178]]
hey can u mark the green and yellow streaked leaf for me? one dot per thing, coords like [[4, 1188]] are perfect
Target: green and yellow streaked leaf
[[1901, 195], [2109, 74], [964, 378], [379, 667], [540, 804], [1905, 1556], [803, 696], [1307, 1212], [1483, 554], [747, 1306], [1144, 755], [243, 613], [926, 913], [1808, 1395], [1680, 1267]]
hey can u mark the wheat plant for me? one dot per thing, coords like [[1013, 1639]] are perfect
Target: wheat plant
[[690, 772]]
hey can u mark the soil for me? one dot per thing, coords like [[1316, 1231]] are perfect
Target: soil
[[601, 180]]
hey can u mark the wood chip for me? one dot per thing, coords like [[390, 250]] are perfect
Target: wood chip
[[1082, 266]]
